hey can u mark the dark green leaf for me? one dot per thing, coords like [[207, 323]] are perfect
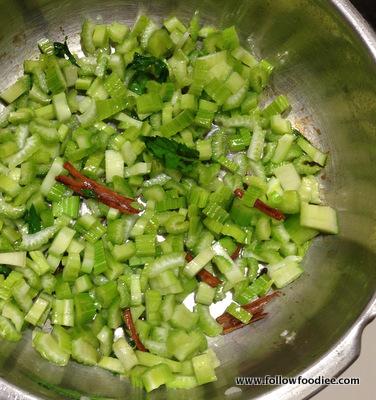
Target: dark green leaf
[[89, 193], [146, 68], [61, 50], [138, 86], [33, 220], [5, 270], [174, 155]]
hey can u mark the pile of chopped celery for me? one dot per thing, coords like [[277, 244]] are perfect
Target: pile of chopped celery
[[74, 264]]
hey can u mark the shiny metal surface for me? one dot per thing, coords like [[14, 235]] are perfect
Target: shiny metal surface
[[325, 57]]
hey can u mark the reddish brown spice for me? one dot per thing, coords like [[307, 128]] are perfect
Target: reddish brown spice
[[204, 275], [128, 320], [210, 279], [235, 324], [188, 257], [239, 193], [87, 187], [270, 211], [261, 206], [256, 308], [237, 251], [260, 303]]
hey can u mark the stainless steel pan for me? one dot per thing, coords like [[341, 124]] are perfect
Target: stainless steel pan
[[325, 58]]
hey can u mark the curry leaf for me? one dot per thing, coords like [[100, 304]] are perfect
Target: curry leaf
[[89, 193], [146, 68], [4, 270], [61, 50], [175, 155], [33, 220]]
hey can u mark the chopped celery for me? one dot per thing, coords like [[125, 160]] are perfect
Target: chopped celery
[[14, 91], [199, 262], [239, 313], [48, 348], [183, 318], [288, 177], [8, 331], [14, 314], [15, 258], [285, 271], [62, 241], [206, 322], [36, 311], [156, 376], [84, 352], [150, 360], [322, 218], [166, 262], [111, 364], [125, 354], [204, 369]]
